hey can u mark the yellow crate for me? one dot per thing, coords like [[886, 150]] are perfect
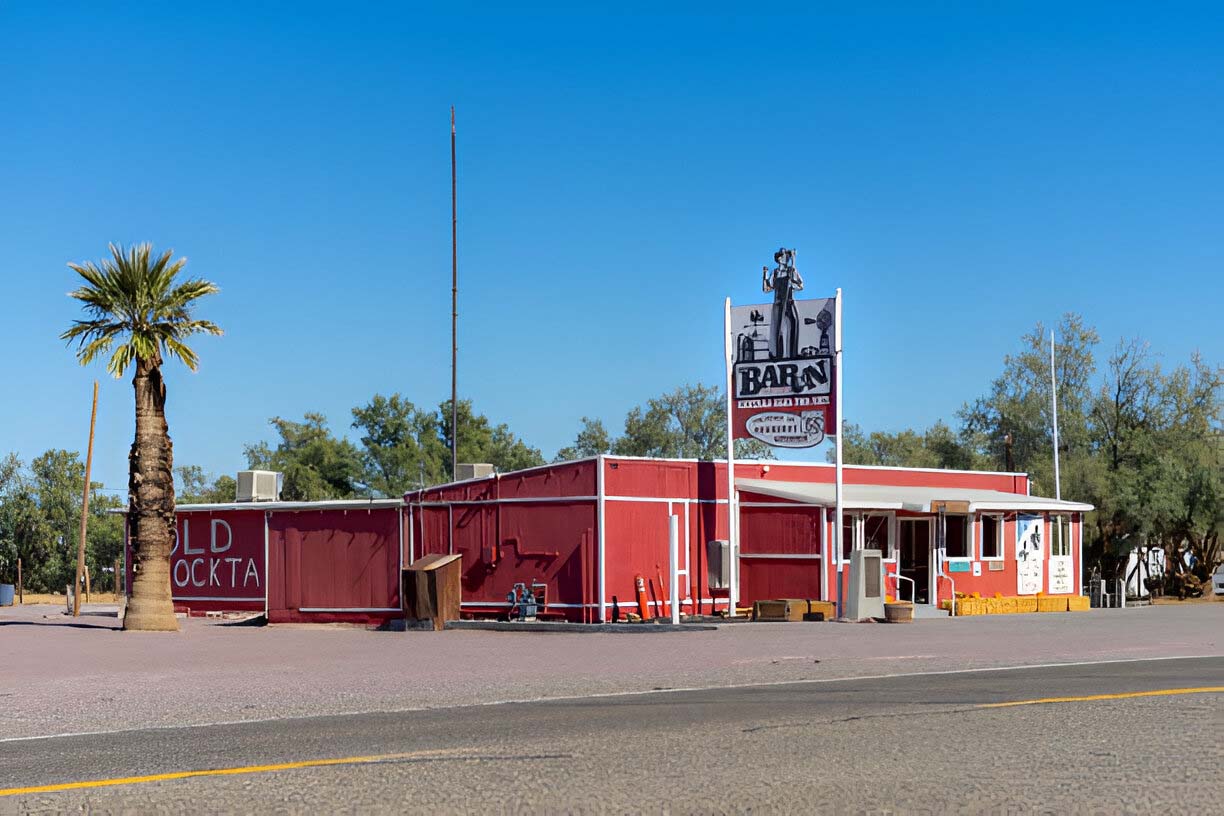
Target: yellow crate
[[1078, 603], [1026, 603], [1052, 603]]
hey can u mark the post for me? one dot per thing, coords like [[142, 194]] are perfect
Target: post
[[837, 444], [20, 591], [1054, 403], [454, 311], [86, 583], [673, 562], [115, 580], [76, 590], [732, 521]]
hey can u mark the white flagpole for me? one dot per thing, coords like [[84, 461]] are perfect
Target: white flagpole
[[732, 537], [1054, 402], [837, 443]]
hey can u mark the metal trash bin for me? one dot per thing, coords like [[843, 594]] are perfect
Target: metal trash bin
[[7, 593]]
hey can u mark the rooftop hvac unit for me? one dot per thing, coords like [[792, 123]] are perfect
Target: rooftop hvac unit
[[472, 470], [258, 485]]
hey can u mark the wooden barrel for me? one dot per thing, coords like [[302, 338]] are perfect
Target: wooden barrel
[[899, 612]]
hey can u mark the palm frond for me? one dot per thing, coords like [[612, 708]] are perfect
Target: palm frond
[[135, 294]]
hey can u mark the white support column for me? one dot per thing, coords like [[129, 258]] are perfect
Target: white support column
[[840, 424], [732, 514], [673, 560], [600, 501]]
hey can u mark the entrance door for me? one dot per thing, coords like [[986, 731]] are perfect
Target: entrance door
[[914, 554]]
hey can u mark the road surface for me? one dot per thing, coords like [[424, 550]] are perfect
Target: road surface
[[1133, 736]]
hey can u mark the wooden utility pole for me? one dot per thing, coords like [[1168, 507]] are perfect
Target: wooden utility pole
[[86, 583], [20, 590], [454, 311], [76, 589], [115, 580]]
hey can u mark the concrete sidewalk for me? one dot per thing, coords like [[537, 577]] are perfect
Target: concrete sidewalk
[[59, 675]]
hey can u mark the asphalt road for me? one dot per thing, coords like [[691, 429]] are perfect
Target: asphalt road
[[920, 743]]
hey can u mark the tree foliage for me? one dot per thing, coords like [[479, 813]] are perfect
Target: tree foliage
[[40, 517], [687, 423]]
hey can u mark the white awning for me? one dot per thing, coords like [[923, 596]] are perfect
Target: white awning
[[913, 499]]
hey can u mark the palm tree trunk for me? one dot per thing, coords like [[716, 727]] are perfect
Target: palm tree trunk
[[151, 505]]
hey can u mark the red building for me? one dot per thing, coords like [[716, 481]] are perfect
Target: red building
[[587, 529]]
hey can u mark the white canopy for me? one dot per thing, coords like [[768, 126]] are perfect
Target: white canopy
[[914, 499]]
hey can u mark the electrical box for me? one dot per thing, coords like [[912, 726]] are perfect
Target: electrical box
[[258, 485], [718, 564], [866, 591]]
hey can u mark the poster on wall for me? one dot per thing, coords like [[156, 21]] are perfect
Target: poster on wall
[[782, 369], [1028, 555]]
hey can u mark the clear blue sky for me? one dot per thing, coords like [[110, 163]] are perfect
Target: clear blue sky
[[961, 173]]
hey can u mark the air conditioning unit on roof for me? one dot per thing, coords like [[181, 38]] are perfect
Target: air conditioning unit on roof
[[258, 485]]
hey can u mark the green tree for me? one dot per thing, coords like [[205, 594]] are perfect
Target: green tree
[[137, 306], [402, 446], [482, 441], [316, 465], [196, 487], [592, 440], [937, 447]]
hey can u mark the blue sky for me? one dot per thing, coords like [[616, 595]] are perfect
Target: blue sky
[[960, 173]]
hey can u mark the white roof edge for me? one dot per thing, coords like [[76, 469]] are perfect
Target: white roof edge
[[1034, 503], [328, 504]]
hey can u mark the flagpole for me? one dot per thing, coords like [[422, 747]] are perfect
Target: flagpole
[[1054, 403], [837, 443], [454, 312], [732, 521]]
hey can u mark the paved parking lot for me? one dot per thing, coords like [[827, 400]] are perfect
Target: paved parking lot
[[64, 676]]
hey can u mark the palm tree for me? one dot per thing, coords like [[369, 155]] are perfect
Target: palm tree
[[136, 306]]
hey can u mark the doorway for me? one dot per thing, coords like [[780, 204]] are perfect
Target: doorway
[[914, 556]]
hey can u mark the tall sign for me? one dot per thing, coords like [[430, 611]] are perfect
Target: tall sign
[[783, 373], [783, 384]]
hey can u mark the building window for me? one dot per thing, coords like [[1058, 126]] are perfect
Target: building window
[[992, 536], [1060, 536], [956, 542], [877, 535], [847, 535]]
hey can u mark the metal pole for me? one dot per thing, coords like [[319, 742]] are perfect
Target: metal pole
[[76, 589], [732, 537], [454, 310], [837, 443], [673, 574], [1054, 402]]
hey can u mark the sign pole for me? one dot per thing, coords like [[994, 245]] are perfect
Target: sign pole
[[80, 569], [454, 312], [1054, 408], [732, 536], [838, 426]]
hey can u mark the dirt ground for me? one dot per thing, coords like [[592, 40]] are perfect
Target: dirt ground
[[58, 598]]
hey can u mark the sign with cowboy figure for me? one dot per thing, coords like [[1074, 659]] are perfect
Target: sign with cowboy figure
[[782, 371]]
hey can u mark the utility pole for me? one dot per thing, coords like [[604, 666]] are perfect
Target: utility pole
[[76, 589], [454, 311]]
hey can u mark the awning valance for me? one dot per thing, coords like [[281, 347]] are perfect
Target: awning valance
[[913, 499]]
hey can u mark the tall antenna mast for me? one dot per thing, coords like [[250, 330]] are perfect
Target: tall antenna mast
[[1054, 403], [454, 311]]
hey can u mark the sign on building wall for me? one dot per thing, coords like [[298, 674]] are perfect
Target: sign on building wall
[[782, 370], [1060, 576], [1029, 556], [218, 557]]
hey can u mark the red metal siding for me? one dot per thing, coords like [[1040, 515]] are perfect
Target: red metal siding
[[342, 564]]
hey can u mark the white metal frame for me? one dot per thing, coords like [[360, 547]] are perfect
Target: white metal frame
[[981, 537]]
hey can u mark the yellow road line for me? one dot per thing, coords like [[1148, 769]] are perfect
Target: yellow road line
[[1122, 696], [246, 769]]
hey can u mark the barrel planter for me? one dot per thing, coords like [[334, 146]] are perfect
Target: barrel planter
[[899, 612]]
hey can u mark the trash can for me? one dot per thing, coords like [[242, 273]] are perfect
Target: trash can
[[431, 589], [6, 594]]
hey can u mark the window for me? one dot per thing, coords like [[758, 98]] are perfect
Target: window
[[956, 542], [1060, 536], [876, 535], [847, 535], [992, 536]]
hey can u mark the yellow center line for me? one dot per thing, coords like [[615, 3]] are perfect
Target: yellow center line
[[1122, 696], [245, 769]]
